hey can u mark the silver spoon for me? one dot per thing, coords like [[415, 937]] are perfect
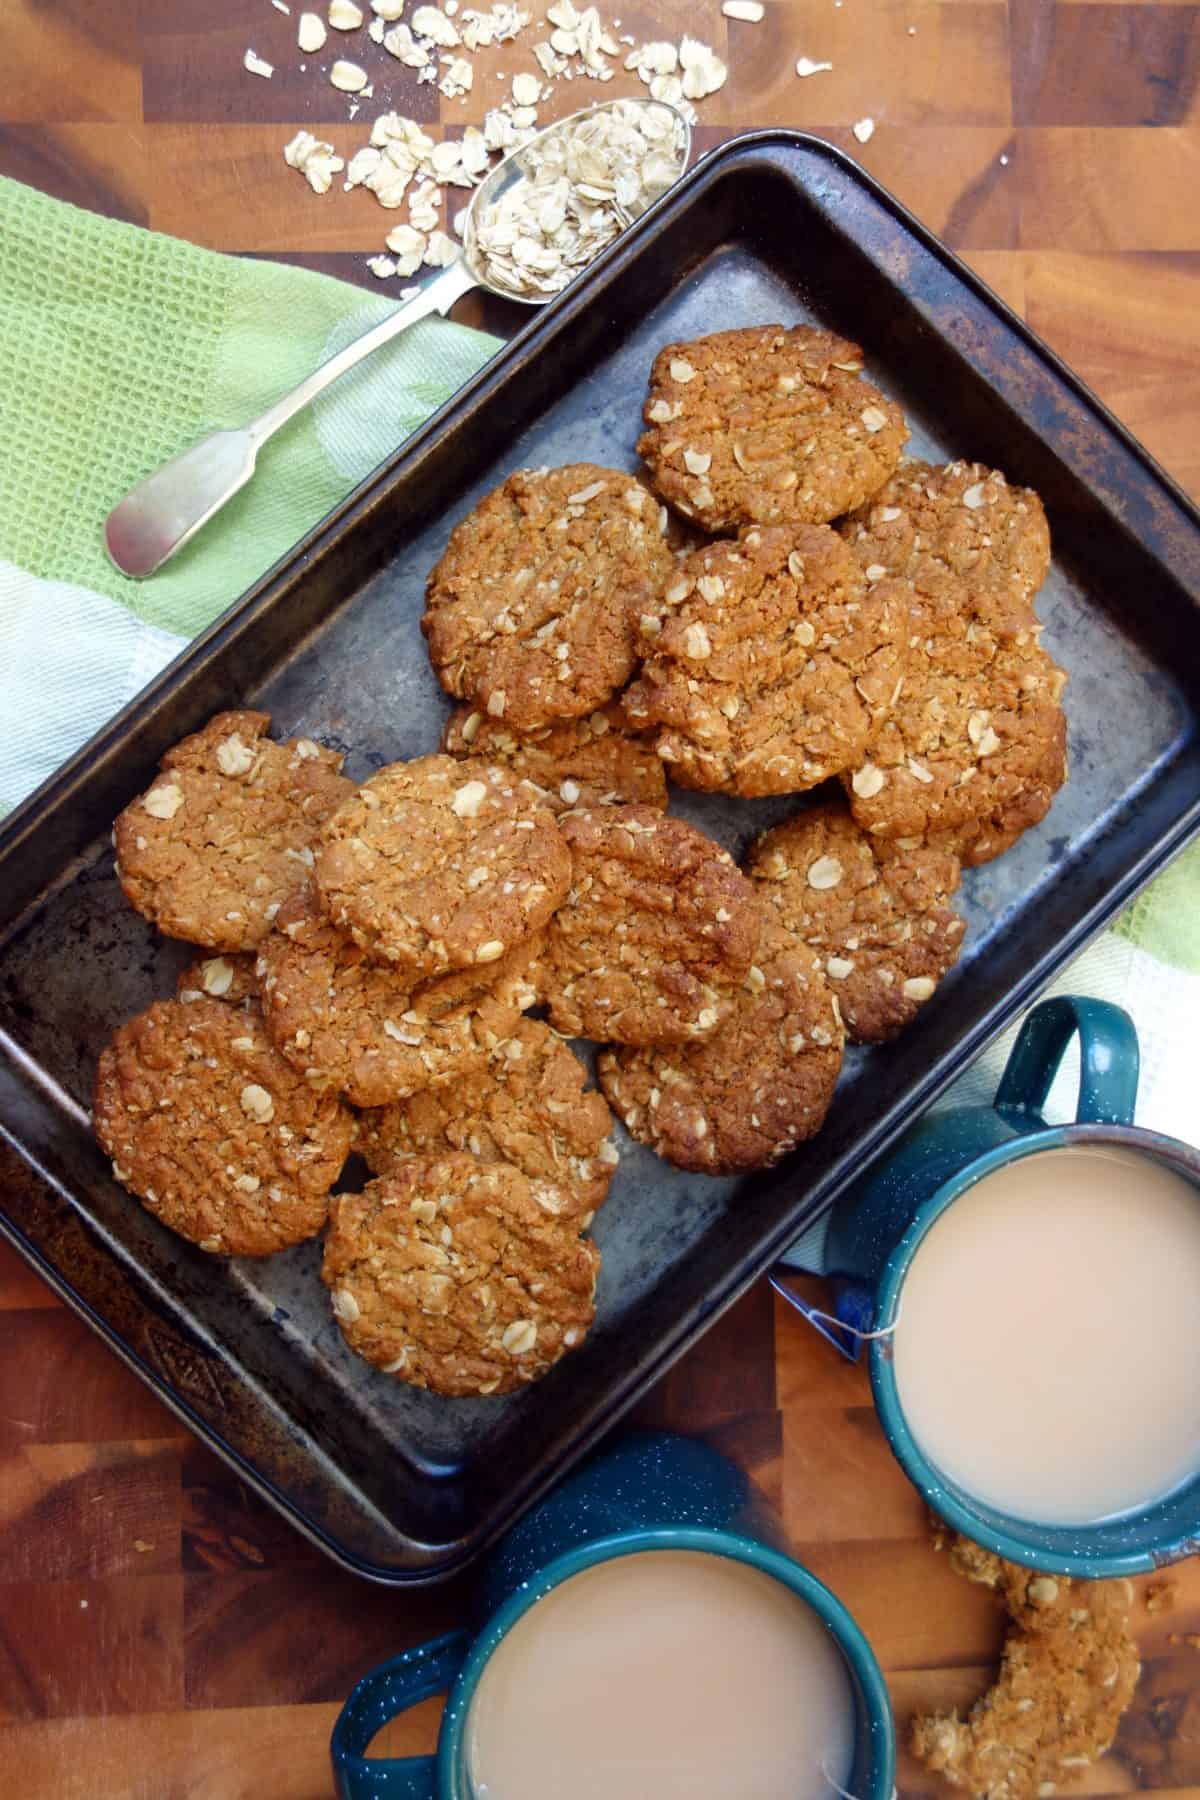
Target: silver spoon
[[163, 512]]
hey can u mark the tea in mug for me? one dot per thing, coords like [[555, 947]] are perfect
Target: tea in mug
[[674, 1674]]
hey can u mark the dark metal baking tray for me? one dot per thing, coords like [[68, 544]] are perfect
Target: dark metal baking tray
[[400, 1485]]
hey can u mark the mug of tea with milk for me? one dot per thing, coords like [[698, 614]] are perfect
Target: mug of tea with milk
[[683, 1661], [1032, 1298]]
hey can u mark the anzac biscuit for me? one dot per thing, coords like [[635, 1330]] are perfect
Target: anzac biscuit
[[774, 664], [459, 1276], [530, 613], [228, 978], [878, 916], [212, 849], [359, 1027], [656, 935], [767, 426], [594, 761], [530, 1106], [436, 864], [214, 1132], [1067, 1673], [974, 750], [954, 526], [753, 1091]]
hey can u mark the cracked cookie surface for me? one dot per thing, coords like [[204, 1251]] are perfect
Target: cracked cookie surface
[[593, 761], [528, 1105], [755, 1089], [656, 935], [226, 830], [437, 864], [215, 1133], [879, 917], [459, 1276], [530, 613], [767, 425], [771, 664], [363, 1028]]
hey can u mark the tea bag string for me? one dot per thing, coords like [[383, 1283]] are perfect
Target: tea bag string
[[845, 1792], [864, 1337]]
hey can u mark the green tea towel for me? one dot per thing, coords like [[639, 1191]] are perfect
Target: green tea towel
[[118, 348]]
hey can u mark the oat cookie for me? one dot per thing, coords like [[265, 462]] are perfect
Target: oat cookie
[[879, 917], [1067, 1673], [229, 978], [773, 665], [954, 525], [656, 935], [594, 761], [530, 613], [211, 850], [767, 426], [529, 1105], [755, 1089], [975, 748], [359, 1026], [458, 1275], [437, 864], [217, 1136]]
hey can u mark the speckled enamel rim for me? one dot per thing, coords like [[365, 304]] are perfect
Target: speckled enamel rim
[[1012, 1538], [876, 1729]]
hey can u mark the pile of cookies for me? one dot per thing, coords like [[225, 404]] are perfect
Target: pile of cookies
[[374, 950]]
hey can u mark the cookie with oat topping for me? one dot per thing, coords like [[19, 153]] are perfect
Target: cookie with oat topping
[[656, 935], [754, 1090], [529, 1105], [772, 662], [767, 426], [215, 1133], [878, 916], [436, 864], [228, 978], [362, 1028], [954, 526], [1067, 1673], [530, 614], [593, 761], [459, 1276], [225, 832]]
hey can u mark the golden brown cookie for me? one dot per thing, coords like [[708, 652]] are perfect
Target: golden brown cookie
[[530, 612], [360, 1027], [529, 1105], [459, 1276], [754, 1090], [215, 1133], [953, 525], [878, 916], [1067, 1673], [774, 663], [594, 761], [437, 864], [229, 978], [975, 748], [212, 849], [656, 935], [767, 426]]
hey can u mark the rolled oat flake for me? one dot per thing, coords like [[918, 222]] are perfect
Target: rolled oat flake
[[574, 191]]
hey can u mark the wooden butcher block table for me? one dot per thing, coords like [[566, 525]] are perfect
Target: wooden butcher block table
[[162, 1633]]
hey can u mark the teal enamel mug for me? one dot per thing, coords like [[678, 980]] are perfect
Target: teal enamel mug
[[878, 1230], [649, 1478]]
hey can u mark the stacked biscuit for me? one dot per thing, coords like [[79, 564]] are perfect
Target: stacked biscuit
[[379, 946]]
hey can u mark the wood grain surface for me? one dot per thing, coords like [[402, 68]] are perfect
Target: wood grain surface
[[163, 1636]]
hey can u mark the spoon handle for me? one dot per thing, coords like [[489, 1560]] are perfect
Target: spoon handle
[[166, 509], [438, 297]]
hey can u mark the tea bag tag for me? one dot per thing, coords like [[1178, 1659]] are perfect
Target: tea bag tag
[[848, 1327]]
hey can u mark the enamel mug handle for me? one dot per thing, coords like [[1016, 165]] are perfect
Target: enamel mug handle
[[387, 1691], [1108, 1060]]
